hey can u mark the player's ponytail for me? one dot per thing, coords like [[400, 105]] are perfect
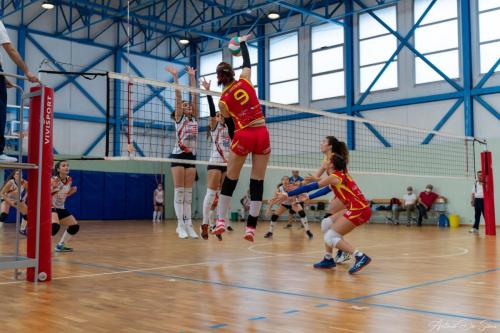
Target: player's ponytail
[[339, 163], [339, 148], [225, 74]]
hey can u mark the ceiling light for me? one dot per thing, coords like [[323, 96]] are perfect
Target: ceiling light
[[184, 41], [48, 5], [273, 16]]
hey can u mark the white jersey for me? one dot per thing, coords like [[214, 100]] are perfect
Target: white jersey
[[186, 135], [158, 196], [221, 142], [12, 189], [62, 189], [286, 202]]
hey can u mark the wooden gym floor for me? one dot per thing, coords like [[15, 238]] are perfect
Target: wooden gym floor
[[139, 277]]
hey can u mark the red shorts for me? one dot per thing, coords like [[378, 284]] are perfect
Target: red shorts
[[358, 217], [251, 140]]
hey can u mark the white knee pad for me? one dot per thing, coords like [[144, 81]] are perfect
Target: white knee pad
[[188, 196], [326, 224], [179, 195], [332, 238]]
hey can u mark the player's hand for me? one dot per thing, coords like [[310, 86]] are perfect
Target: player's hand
[[9, 84], [191, 71], [173, 71], [310, 178], [304, 197], [245, 38], [280, 197], [32, 78], [205, 84]]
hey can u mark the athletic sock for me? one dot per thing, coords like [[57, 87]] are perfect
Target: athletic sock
[[188, 198], [223, 206], [328, 256], [154, 215], [211, 218], [305, 223], [272, 225], [65, 238], [357, 253], [207, 204], [179, 204]]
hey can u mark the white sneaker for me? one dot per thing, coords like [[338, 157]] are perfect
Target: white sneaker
[[181, 231], [191, 232], [474, 231], [6, 158]]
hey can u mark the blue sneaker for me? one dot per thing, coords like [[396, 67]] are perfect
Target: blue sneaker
[[63, 248], [325, 264], [361, 262]]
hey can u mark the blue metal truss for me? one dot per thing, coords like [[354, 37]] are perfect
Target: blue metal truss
[[156, 26], [464, 94]]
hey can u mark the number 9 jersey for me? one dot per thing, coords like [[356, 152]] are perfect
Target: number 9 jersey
[[242, 103], [240, 100]]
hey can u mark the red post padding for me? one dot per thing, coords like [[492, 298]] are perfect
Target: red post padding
[[489, 198], [44, 263]]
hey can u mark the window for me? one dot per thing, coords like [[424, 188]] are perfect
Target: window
[[254, 57], [376, 46], [327, 59], [208, 67], [284, 68], [437, 39], [489, 34]]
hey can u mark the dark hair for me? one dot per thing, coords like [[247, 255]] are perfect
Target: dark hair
[[225, 74], [11, 176], [57, 166], [339, 148], [339, 163], [172, 114]]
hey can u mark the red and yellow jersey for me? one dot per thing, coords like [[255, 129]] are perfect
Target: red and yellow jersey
[[242, 103], [348, 191]]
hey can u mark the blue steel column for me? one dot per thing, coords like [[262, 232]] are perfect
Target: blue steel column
[[467, 66], [349, 72], [21, 48], [261, 66], [117, 104]]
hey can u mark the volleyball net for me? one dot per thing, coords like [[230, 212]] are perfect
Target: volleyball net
[[140, 127]]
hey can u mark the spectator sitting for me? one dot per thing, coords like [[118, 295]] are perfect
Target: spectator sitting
[[409, 202], [425, 201], [296, 179]]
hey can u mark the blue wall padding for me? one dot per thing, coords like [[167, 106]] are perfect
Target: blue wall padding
[[115, 207], [109, 196]]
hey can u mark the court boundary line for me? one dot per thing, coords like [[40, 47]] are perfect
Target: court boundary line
[[424, 284], [311, 296]]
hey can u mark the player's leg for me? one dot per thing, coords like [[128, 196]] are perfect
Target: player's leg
[[274, 220], [178, 175], [72, 228], [189, 177], [257, 175]]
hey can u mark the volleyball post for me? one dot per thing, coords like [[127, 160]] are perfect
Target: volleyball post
[[488, 189], [41, 122]]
